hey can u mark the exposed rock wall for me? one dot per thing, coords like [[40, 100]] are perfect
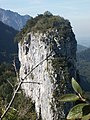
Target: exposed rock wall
[[52, 77]]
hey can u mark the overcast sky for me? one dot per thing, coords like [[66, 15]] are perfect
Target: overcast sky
[[77, 11]]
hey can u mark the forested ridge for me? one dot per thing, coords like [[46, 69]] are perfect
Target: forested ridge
[[83, 65], [8, 47]]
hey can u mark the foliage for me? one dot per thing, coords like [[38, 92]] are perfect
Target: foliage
[[8, 48], [6, 74], [44, 22], [69, 98], [80, 111], [76, 87], [47, 13], [23, 108]]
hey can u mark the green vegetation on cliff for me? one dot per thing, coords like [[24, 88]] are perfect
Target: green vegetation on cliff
[[46, 22]]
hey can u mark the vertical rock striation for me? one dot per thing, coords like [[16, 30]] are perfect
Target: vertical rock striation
[[57, 47]]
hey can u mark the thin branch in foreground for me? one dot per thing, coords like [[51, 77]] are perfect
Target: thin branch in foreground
[[19, 85], [32, 82], [37, 66], [10, 83]]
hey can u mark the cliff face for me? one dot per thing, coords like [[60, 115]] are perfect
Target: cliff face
[[51, 78]]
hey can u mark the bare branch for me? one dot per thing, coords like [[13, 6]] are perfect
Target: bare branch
[[32, 82], [19, 84], [10, 83], [9, 105]]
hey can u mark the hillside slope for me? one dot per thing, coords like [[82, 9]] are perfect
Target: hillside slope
[[13, 19], [83, 64], [7, 45], [81, 48]]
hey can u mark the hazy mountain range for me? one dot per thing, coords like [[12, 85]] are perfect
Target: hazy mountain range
[[81, 48], [83, 65], [13, 19], [85, 41]]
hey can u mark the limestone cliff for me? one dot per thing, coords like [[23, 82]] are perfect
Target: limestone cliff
[[49, 38]]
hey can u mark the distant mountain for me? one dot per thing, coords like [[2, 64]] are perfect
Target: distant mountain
[[13, 19], [83, 65], [84, 55], [85, 41], [8, 48], [81, 48]]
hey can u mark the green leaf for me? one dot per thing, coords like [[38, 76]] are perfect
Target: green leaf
[[69, 98], [76, 112], [86, 117], [76, 87], [86, 110]]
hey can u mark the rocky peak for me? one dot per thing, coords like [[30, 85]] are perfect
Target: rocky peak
[[48, 13], [49, 39], [13, 19]]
